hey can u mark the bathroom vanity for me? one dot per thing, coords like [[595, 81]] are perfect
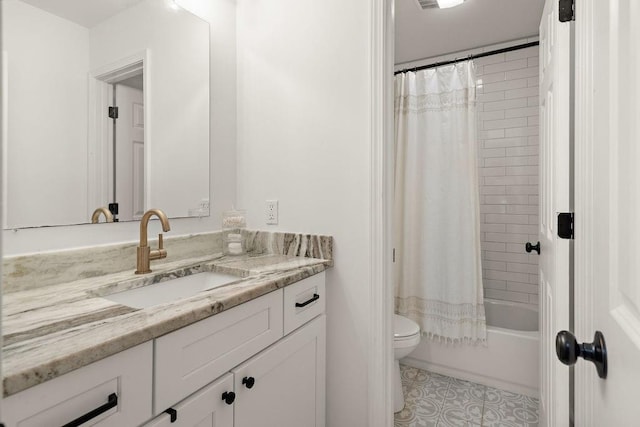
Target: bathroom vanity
[[248, 353]]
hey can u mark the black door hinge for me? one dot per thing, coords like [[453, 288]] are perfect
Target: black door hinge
[[113, 112], [113, 208], [566, 11], [394, 254], [565, 225]]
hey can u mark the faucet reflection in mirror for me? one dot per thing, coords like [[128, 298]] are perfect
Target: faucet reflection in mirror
[[144, 252], [108, 216]]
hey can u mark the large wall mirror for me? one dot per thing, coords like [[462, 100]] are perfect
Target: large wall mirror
[[67, 151]]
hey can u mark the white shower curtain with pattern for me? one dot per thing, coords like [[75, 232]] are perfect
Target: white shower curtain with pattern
[[438, 274]]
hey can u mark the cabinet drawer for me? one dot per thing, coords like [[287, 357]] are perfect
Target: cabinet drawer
[[203, 408], [190, 358], [65, 398], [303, 301]]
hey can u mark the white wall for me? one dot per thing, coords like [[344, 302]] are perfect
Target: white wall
[[34, 41], [176, 149], [304, 139], [222, 155]]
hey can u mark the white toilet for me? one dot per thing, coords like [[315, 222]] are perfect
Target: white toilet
[[406, 336]]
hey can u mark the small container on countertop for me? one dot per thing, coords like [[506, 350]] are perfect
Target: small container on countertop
[[233, 222]]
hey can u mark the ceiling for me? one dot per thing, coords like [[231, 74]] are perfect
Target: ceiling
[[432, 32], [87, 13], [419, 33]]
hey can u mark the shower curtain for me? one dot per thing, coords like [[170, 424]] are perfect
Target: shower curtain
[[438, 274]]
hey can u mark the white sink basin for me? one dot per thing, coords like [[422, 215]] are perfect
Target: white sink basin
[[171, 290]]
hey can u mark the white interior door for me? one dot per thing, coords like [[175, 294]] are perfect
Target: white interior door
[[608, 206], [554, 198], [130, 153]]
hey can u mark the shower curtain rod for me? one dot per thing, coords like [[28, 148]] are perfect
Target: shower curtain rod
[[469, 57]]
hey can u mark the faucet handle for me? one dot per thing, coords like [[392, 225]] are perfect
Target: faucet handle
[[160, 252]]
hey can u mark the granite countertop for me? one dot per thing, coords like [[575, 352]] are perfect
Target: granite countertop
[[52, 330]]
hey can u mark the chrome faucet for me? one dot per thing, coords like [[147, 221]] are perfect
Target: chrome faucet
[[145, 254], [108, 216]]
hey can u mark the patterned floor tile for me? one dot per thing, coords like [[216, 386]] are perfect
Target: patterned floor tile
[[531, 413], [419, 409], [531, 405], [464, 401], [438, 400], [454, 422], [416, 423], [462, 392], [494, 415], [426, 403], [424, 377], [471, 411], [436, 390], [496, 396], [408, 374]]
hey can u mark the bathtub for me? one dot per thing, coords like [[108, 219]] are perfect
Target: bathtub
[[509, 361]]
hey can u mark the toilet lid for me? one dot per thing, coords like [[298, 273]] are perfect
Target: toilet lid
[[404, 327]]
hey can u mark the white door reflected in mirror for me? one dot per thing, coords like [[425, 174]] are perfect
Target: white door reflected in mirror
[[128, 184]]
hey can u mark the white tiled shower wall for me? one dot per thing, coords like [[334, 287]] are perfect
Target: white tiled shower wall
[[508, 173]]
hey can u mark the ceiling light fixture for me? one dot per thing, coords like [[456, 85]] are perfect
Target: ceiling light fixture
[[443, 4]]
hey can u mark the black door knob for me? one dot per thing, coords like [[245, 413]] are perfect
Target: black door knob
[[248, 382], [529, 247], [568, 350], [229, 397]]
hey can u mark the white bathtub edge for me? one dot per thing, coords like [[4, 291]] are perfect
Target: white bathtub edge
[[470, 376]]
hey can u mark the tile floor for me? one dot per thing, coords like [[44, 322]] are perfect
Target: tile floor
[[436, 400]]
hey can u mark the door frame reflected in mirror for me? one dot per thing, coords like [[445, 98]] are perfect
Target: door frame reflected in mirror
[[101, 140]]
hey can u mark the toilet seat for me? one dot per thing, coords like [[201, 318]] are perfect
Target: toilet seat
[[410, 341], [404, 328]]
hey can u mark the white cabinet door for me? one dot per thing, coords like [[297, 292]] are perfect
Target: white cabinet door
[[64, 399], [205, 408], [287, 382], [190, 358]]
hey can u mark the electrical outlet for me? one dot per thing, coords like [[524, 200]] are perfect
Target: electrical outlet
[[272, 212], [203, 208]]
